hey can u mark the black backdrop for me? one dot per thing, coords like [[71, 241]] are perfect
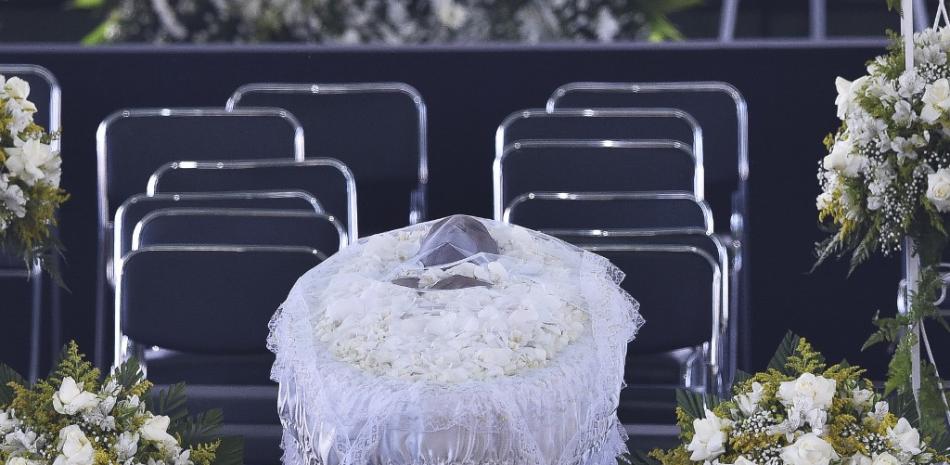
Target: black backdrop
[[789, 88]]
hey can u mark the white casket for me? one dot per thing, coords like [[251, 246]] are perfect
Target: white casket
[[458, 341]]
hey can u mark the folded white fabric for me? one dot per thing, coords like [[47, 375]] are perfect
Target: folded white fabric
[[459, 341]]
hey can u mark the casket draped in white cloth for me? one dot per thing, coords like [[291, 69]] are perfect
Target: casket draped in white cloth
[[461, 341]]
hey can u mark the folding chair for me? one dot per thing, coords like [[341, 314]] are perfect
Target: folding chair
[[597, 165], [565, 212], [176, 298], [239, 227], [722, 112], [377, 129], [16, 278], [132, 143], [596, 125], [675, 285], [327, 179], [137, 207]]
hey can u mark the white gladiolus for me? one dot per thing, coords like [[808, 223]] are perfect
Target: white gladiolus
[[126, 445], [904, 437], [74, 447], [70, 399], [33, 161], [7, 422], [748, 403], [844, 161], [809, 449], [156, 429], [846, 94], [710, 437], [938, 189]]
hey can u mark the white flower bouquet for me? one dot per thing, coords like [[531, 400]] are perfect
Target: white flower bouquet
[[799, 412], [76, 418], [29, 178], [886, 182]]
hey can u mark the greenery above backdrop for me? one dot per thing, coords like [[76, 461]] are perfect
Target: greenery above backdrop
[[385, 21]]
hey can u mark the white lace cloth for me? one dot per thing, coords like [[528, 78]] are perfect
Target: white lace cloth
[[346, 403]]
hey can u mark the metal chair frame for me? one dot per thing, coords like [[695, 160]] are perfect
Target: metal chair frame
[[418, 209], [514, 149], [501, 136], [123, 344], [33, 273], [713, 352], [233, 212], [352, 217], [607, 196]]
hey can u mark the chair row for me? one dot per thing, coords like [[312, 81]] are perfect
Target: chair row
[[620, 168]]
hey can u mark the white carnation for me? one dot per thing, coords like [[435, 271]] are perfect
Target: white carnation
[[809, 449]]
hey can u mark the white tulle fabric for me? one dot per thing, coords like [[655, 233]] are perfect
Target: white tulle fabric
[[559, 411]]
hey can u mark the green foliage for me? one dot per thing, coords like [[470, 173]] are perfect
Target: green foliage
[[74, 365], [785, 350], [694, 403], [171, 402], [8, 376], [637, 458]]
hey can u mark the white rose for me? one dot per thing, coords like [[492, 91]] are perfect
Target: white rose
[[748, 403], [936, 100], [156, 429], [126, 445], [809, 449], [17, 88], [885, 459], [818, 391], [842, 160], [904, 437], [32, 161], [710, 437], [75, 448], [858, 459], [938, 189], [70, 399], [741, 460], [846, 94]]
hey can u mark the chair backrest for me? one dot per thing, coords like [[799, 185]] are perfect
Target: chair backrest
[[608, 212], [717, 106], [327, 179], [589, 165], [44, 92], [239, 227], [377, 129], [719, 109], [137, 207], [576, 124], [679, 290], [131, 144], [177, 297]]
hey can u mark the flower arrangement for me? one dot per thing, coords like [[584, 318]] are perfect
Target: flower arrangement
[[29, 178], [76, 418], [800, 412], [886, 180], [389, 22]]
